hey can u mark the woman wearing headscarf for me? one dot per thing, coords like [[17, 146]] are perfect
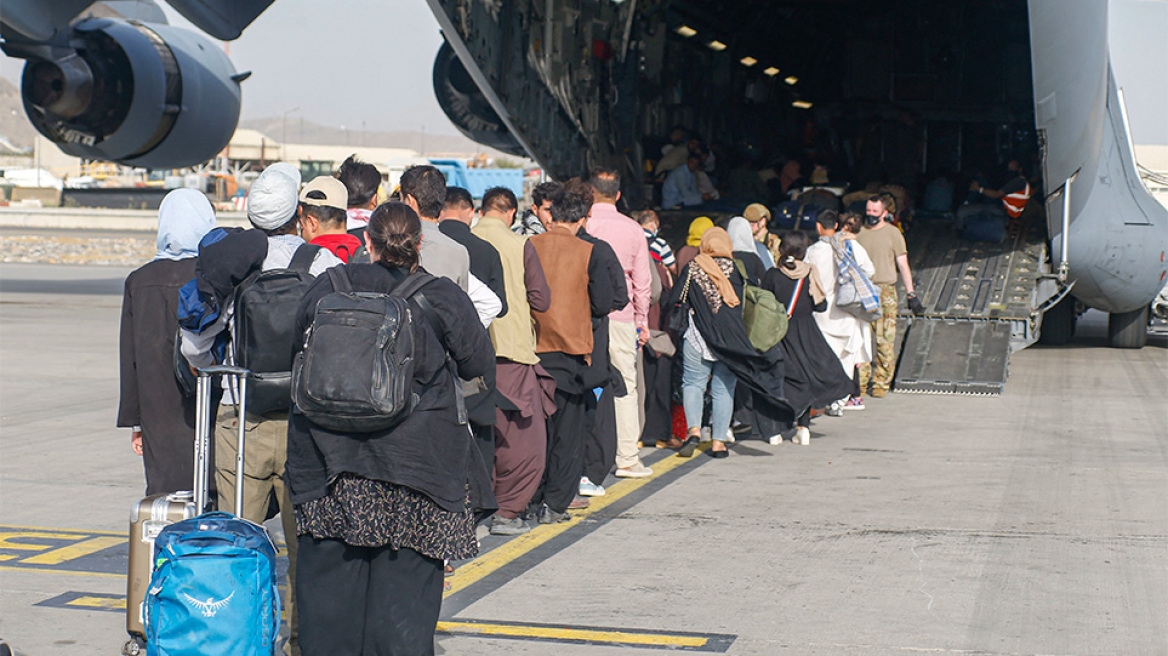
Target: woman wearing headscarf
[[693, 241], [152, 404], [813, 377], [746, 249]]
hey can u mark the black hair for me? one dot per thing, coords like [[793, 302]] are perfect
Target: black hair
[[643, 216], [499, 199], [395, 232], [850, 221], [570, 208], [288, 228], [605, 181], [550, 190], [829, 219], [794, 245], [328, 216], [458, 197], [360, 179], [428, 187]]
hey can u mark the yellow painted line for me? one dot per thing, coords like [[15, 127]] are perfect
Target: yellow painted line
[[565, 633], [99, 602], [74, 551], [69, 572], [58, 530], [8, 556], [6, 536], [479, 568]]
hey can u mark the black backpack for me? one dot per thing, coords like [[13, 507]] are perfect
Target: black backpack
[[355, 373], [265, 329]]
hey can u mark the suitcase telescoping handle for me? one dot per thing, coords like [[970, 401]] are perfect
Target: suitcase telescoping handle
[[203, 432]]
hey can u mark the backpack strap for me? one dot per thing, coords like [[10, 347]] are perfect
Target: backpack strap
[[339, 277], [303, 257]]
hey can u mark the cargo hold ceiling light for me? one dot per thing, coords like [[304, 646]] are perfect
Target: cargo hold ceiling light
[[772, 71], [686, 31], [801, 104], [791, 80], [748, 61], [716, 46]]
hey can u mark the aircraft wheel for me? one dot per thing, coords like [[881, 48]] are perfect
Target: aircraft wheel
[[1128, 329], [1058, 324]]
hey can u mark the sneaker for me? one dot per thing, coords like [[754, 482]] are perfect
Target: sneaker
[[775, 440], [579, 503], [688, 447], [505, 526], [636, 471], [549, 516], [879, 392], [836, 409], [590, 489], [802, 436], [729, 436], [855, 403]]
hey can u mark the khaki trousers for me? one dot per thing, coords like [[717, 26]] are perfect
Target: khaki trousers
[[265, 451], [622, 351]]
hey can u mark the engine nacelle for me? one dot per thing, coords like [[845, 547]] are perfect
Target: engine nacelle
[[144, 95]]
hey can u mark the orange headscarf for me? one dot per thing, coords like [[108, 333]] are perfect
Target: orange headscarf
[[716, 243]]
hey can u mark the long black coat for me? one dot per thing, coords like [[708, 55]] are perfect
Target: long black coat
[[150, 393]]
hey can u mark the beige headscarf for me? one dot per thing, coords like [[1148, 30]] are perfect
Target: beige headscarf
[[804, 270], [716, 243]]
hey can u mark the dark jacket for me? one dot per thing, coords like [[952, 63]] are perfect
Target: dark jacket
[[430, 451], [604, 266]]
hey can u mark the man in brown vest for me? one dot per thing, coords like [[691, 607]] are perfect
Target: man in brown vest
[[527, 390], [580, 291]]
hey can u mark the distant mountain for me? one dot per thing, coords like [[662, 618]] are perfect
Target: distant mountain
[[14, 126], [296, 130]]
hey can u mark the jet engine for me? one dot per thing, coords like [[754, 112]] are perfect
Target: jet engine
[[467, 107], [145, 95]]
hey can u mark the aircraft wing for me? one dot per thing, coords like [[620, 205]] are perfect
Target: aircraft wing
[[223, 19]]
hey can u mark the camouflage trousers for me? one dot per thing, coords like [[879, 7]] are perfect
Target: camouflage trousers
[[884, 329]]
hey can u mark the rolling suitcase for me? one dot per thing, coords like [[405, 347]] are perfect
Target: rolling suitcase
[[155, 512], [213, 590]]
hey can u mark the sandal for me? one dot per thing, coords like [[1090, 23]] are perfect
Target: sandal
[[672, 443]]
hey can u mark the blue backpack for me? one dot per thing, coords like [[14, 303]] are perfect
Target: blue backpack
[[213, 590]]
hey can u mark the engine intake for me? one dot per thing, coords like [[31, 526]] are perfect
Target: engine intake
[[151, 96]]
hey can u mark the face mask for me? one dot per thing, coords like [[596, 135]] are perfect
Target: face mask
[[871, 220]]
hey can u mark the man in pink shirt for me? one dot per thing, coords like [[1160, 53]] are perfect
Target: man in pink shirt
[[627, 327]]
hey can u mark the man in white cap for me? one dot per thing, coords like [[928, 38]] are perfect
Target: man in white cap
[[272, 204]]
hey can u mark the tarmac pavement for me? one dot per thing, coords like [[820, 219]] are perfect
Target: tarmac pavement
[[1031, 523]]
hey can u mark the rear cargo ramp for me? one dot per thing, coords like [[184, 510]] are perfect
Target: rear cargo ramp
[[979, 300]]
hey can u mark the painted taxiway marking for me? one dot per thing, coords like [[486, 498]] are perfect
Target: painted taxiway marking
[[594, 635], [641, 638], [41, 549], [488, 563]]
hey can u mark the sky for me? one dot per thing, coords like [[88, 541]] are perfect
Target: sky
[[368, 63]]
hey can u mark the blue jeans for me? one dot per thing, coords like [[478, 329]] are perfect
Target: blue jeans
[[695, 374]]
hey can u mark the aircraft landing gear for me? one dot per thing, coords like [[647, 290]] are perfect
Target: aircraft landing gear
[[1128, 329]]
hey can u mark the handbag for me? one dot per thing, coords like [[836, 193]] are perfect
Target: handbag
[[850, 298], [764, 316], [679, 311]]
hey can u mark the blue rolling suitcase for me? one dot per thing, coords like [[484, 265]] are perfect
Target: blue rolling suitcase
[[213, 589]]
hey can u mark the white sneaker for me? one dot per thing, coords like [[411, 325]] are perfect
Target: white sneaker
[[729, 436], [836, 409], [802, 436], [590, 489], [775, 440]]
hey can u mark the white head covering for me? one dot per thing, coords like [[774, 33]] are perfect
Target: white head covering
[[740, 235], [272, 199], [184, 218]]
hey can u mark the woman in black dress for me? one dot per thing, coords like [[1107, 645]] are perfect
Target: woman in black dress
[[813, 377]]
